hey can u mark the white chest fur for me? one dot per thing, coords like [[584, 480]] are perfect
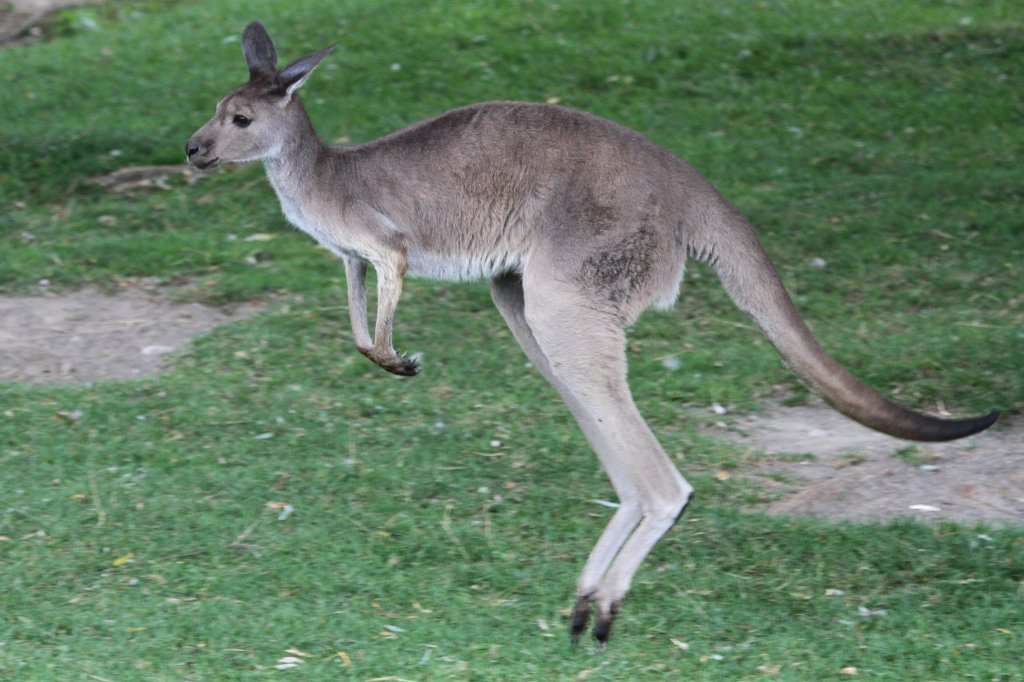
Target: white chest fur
[[301, 213]]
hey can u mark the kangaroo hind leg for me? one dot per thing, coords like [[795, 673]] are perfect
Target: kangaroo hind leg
[[507, 292], [582, 345]]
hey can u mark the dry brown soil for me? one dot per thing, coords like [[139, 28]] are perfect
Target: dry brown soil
[[19, 18], [87, 336], [824, 464]]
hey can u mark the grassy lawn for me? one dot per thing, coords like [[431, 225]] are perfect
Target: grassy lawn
[[434, 526]]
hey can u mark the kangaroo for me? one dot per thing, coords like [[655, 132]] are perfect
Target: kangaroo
[[579, 223]]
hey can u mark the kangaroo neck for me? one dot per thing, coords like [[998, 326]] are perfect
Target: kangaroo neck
[[298, 155]]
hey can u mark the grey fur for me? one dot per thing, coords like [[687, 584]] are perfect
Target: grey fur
[[580, 223]]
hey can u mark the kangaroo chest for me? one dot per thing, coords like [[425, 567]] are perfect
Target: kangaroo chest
[[303, 213]]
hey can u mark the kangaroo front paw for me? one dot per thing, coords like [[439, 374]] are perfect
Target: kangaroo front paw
[[396, 363], [402, 364]]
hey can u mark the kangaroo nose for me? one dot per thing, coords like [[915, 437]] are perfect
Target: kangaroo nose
[[193, 147]]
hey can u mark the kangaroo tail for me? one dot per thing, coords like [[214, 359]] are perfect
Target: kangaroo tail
[[725, 240]]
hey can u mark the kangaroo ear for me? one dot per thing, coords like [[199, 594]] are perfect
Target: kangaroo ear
[[291, 78], [259, 51]]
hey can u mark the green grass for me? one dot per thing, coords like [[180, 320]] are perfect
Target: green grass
[[883, 137]]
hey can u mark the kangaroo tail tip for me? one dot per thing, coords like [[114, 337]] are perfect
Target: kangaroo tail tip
[[988, 420], [961, 428]]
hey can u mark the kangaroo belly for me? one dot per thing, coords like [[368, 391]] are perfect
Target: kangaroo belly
[[461, 267]]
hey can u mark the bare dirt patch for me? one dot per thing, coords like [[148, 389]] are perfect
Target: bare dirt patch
[[87, 336], [824, 464], [19, 19]]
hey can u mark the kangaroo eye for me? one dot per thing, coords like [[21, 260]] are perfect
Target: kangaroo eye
[[241, 121]]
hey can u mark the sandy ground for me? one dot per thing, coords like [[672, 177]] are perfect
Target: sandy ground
[[824, 464], [86, 336], [18, 18]]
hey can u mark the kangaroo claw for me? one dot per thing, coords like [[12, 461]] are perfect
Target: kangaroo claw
[[402, 365], [396, 363]]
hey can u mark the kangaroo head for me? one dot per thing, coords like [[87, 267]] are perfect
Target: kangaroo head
[[253, 122]]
